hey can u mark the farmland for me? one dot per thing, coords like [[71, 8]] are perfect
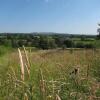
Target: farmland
[[35, 74]]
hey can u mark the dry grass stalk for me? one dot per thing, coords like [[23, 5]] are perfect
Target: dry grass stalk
[[28, 72], [88, 68], [42, 85], [73, 94], [57, 97], [53, 85], [14, 74], [21, 64], [25, 96], [27, 59]]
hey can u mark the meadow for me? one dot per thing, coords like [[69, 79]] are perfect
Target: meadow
[[32, 74]]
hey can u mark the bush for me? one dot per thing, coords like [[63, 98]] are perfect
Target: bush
[[79, 45], [90, 45], [84, 45], [69, 43], [47, 43]]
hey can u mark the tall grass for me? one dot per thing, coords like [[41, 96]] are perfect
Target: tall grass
[[49, 75]]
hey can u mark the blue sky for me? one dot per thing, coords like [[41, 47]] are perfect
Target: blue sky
[[65, 16]]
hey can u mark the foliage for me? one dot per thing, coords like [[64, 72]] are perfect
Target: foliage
[[48, 41], [69, 43]]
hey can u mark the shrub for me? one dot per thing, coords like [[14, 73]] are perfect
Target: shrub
[[84, 45], [90, 45], [80, 45], [69, 43]]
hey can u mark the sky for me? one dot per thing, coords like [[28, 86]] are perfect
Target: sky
[[61, 16]]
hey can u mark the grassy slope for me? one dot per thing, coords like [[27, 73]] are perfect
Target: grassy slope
[[55, 66]]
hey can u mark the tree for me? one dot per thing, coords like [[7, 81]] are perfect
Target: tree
[[47, 42], [69, 43]]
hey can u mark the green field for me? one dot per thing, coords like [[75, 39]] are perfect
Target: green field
[[46, 74]]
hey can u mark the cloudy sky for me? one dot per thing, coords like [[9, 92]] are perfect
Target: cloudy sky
[[65, 16]]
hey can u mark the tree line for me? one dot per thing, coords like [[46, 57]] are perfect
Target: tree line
[[45, 41]]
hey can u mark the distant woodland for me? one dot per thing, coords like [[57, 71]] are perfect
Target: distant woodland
[[48, 40]]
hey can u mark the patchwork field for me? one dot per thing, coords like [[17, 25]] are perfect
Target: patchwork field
[[50, 74]]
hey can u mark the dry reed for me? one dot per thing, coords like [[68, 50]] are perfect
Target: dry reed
[[27, 61], [21, 64]]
